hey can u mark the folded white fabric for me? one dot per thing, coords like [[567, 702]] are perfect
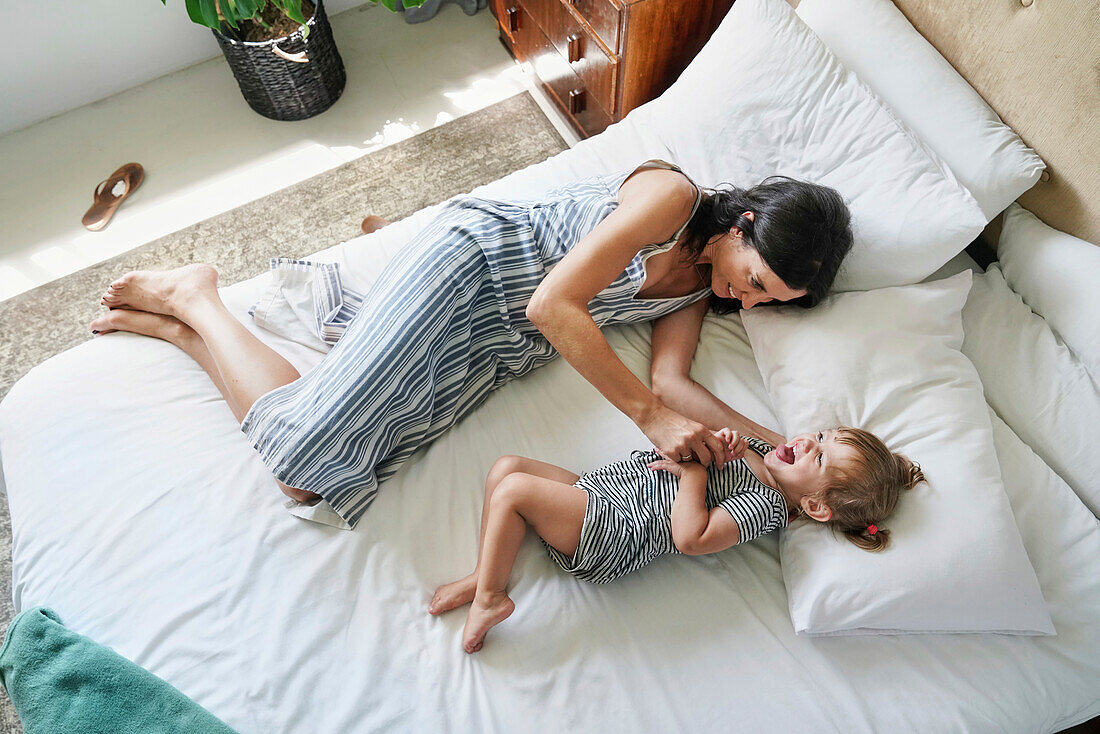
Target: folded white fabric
[[876, 41], [298, 302], [306, 302], [1035, 382], [765, 96], [888, 361], [1057, 275]]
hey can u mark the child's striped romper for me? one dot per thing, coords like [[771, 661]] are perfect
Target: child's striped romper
[[628, 521]]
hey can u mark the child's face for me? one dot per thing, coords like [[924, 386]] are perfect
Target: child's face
[[803, 465]]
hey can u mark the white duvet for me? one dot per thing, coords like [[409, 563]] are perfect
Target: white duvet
[[144, 518]]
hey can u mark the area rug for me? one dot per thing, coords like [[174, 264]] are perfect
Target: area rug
[[321, 211]]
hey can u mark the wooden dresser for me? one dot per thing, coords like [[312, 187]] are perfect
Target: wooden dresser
[[599, 59]]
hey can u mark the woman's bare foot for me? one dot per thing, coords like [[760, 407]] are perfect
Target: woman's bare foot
[[485, 613], [161, 291], [454, 594], [373, 223], [142, 322]]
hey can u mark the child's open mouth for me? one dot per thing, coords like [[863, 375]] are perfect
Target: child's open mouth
[[785, 453]]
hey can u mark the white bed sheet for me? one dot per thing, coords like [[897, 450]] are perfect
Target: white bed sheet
[[142, 516]]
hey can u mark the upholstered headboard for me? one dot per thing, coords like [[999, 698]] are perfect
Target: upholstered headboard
[[1037, 63]]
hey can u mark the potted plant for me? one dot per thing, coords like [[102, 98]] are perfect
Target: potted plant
[[281, 52]]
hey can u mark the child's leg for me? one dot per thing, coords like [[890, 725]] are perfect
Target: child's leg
[[554, 509], [460, 592]]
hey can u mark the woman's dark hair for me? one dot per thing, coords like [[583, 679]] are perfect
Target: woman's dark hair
[[801, 230]]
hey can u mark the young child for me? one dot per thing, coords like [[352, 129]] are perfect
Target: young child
[[616, 519]]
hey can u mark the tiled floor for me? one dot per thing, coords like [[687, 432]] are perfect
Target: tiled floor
[[205, 151]]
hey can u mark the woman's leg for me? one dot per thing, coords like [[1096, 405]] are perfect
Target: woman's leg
[[460, 592], [554, 509], [170, 330], [247, 367]]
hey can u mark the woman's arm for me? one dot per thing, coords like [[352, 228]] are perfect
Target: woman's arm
[[559, 308], [696, 530], [675, 338]]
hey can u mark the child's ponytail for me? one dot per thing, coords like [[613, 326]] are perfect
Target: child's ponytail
[[911, 470], [871, 538]]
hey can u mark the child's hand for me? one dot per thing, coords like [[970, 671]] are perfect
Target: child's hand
[[734, 441], [670, 466]]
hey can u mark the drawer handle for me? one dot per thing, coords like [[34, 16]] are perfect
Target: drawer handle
[[573, 46], [576, 101], [513, 19]]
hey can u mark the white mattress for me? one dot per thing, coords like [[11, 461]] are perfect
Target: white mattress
[[143, 517]]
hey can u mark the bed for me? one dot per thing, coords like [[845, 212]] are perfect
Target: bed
[[143, 517]]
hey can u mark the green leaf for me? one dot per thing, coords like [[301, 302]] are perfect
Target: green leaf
[[230, 13], [390, 4], [250, 9], [203, 12], [292, 9]]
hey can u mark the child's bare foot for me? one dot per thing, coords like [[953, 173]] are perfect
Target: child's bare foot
[[161, 292], [145, 323], [373, 223], [485, 613], [454, 594]]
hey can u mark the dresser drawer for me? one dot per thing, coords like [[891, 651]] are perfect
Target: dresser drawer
[[587, 56], [517, 27], [599, 59], [503, 10], [565, 86], [605, 18]]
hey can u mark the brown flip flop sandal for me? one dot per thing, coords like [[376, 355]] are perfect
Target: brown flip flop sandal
[[110, 194]]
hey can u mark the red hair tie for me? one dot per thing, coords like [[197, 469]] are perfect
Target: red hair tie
[[872, 529]]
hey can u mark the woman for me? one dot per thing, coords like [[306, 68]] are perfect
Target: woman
[[487, 292]]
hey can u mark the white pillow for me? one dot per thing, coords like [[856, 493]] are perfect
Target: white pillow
[[1058, 275], [765, 96], [888, 361], [876, 41], [1034, 382]]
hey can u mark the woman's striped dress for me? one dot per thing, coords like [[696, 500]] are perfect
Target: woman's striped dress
[[443, 325], [628, 521]]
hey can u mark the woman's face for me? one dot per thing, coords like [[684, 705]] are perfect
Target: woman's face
[[738, 271]]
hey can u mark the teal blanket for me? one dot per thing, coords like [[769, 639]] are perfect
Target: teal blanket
[[63, 683]]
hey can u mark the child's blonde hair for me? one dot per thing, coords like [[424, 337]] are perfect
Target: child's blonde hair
[[864, 491]]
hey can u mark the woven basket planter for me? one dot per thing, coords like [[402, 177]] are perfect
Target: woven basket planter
[[289, 78]]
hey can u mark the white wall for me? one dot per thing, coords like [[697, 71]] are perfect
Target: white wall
[[67, 53]]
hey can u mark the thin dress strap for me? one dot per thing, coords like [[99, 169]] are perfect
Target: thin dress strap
[[657, 247]]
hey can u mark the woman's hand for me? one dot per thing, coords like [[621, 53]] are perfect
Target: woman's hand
[[679, 439]]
